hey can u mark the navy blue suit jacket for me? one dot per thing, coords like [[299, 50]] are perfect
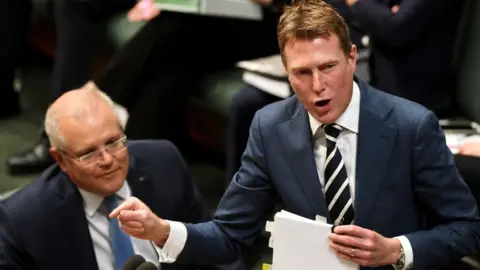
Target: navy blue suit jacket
[[43, 226], [412, 50], [406, 182]]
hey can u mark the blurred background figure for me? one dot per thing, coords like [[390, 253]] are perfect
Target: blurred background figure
[[77, 23], [412, 45], [14, 25], [151, 68]]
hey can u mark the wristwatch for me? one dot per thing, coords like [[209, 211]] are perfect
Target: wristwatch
[[400, 264]]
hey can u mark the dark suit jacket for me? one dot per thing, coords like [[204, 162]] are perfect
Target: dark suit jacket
[[406, 183], [355, 30], [412, 50], [43, 226]]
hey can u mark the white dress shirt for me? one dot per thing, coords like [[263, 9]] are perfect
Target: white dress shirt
[[346, 141], [98, 226], [346, 144]]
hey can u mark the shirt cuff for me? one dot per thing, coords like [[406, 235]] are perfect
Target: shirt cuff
[[407, 249], [175, 243]]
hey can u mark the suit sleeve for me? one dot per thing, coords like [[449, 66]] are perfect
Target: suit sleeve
[[449, 206], [241, 213], [399, 29], [11, 255], [196, 211]]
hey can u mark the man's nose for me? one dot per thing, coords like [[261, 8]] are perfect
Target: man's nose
[[105, 157], [318, 83]]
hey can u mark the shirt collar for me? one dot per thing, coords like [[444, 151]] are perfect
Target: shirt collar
[[92, 201], [350, 117]]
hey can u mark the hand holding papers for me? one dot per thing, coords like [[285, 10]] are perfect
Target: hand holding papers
[[301, 243]]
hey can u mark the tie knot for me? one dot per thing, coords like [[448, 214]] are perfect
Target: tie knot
[[332, 130], [111, 202]]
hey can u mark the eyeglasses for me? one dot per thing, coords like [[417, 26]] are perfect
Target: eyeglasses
[[94, 156]]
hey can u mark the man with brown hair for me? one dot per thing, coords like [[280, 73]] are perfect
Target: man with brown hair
[[376, 163]]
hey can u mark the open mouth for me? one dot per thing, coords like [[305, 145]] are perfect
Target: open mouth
[[322, 103]]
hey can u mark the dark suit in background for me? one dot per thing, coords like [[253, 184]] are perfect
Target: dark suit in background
[[160, 68], [77, 23], [408, 186], [155, 73], [43, 226], [355, 30], [14, 25], [412, 50], [469, 167]]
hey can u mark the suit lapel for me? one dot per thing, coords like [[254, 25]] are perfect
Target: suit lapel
[[140, 183], [296, 137], [374, 147], [75, 226], [142, 187]]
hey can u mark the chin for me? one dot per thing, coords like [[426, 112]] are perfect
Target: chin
[[327, 118], [109, 190], [113, 185]]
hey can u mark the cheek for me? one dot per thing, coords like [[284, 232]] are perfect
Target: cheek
[[122, 161], [301, 89], [88, 174], [84, 178], [336, 79]]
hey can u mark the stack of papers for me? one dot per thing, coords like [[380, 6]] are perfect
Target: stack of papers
[[457, 137], [240, 9], [301, 243], [267, 74]]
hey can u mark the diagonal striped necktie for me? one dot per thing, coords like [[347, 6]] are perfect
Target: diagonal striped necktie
[[337, 190]]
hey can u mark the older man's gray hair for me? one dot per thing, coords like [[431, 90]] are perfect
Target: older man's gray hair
[[88, 102]]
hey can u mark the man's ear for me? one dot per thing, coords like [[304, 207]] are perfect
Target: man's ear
[[59, 158], [352, 57]]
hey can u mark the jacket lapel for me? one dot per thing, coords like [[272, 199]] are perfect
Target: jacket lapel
[[75, 226], [140, 183], [374, 147], [296, 136], [142, 187]]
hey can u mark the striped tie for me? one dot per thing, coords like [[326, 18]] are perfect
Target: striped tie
[[337, 190]]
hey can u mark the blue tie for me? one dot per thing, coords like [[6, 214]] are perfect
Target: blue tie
[[121, 245]]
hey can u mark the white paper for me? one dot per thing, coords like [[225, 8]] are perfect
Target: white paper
[[301, 243], [277, 88], [239, 9], [271, 65], [456, 138]]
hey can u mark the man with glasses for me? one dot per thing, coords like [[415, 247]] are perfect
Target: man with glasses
[[60, 221]]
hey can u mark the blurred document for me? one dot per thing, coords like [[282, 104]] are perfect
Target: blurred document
[[301, 243], [270, 66], [267, 74], [239, 9], [274, 87], [457, 137]]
